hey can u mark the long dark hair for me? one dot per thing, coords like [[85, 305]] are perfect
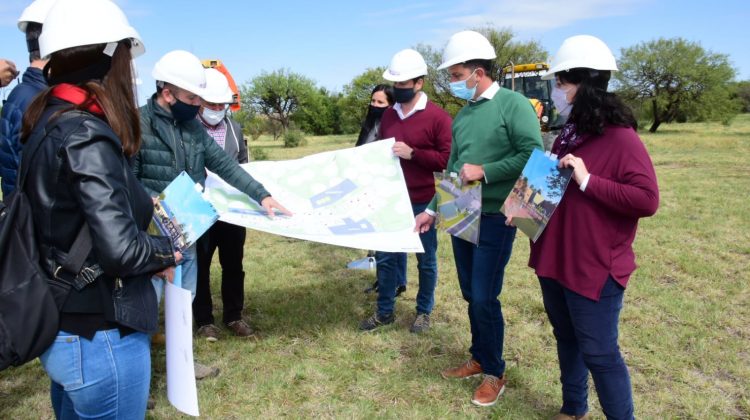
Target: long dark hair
[[387, 89], [106, 80], [593, 107]]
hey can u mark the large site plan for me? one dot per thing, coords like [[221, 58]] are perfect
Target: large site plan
[[352, 197]]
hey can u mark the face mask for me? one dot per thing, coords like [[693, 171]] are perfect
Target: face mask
[[459, 89], [182, 112], [403, 95], [212, 117], [376, 111], [560, 99]]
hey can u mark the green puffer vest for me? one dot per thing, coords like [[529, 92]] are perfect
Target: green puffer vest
[[169, 147]]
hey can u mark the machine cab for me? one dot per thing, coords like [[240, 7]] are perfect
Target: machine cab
[[526, 79]]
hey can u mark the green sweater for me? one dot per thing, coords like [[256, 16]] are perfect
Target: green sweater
[[499, 134]]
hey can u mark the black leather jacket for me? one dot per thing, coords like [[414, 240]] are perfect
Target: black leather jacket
[[80, 174]]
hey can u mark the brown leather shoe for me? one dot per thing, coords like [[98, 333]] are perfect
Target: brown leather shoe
[[467, 370], [210, 332], [240, 328], [563, 416], [489, 391]]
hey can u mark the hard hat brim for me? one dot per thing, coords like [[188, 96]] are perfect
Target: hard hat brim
[[403, 77], [464, 58], [218, 99]]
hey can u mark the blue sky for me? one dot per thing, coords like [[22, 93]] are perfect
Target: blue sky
[[333, 41]]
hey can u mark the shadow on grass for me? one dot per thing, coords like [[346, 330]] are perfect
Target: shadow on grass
[[329, 298], [326, 295]]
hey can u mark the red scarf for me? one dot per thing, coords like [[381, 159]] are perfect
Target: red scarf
[[75, 95]]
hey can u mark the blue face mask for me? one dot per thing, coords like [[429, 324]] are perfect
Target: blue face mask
[[459, 89]]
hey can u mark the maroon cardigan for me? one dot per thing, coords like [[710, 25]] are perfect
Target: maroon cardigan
[[429, 133], [590, 235]]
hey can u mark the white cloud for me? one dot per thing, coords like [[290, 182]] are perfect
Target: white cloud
[[542, 15], [527, 19]]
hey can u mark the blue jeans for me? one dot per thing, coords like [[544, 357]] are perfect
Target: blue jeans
[[586, 334], [189, 274], [391, 272], [480, 270], [105, 378]]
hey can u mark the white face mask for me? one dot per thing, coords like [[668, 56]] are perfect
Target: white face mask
[[212, 117], [560, 99]]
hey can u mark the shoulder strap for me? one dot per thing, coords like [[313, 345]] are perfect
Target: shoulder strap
[[82, 244], [78, 251], [35, 140]]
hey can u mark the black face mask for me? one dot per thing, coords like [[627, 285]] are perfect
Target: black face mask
[[376, 111], [182, 112], [403, 95]]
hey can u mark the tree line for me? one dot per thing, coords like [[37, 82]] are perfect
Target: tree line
[[663, 80]]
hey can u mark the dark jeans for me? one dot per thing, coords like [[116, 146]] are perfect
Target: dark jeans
[[586, 334], [480, 275], [230, 240], [391, 271]]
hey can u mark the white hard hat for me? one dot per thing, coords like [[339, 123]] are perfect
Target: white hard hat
[[465, 46], [405, 65], [35, 12], [217, 88], [581, 51], [181, 69], [74, 23]]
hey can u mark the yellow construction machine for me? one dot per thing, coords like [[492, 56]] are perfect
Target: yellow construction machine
[[527, 80]]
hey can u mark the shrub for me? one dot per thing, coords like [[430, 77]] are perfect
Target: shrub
[[294, 138], [258, 153]]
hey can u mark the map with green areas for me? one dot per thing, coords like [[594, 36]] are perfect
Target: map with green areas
[[353, 197]]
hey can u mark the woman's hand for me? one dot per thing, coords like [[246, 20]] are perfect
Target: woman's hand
[[423, 221], [509, 221], [579, 167], [269, 204], [166, 274]]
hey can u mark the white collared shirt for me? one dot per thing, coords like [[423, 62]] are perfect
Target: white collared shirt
[[489, 93], [420, 106]]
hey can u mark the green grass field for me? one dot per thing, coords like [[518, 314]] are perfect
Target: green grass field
[[684, 327]]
